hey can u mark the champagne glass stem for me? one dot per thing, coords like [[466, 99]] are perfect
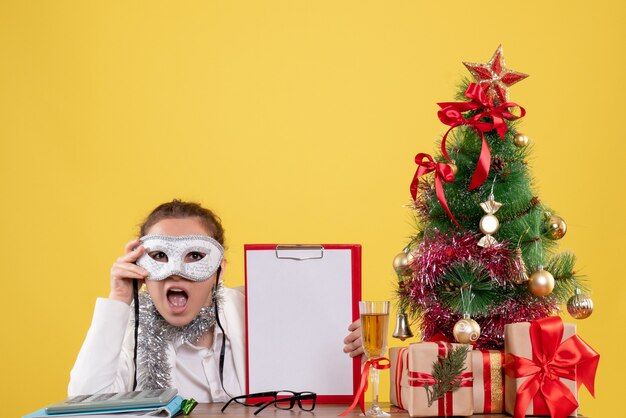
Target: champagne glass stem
[[374, 373]]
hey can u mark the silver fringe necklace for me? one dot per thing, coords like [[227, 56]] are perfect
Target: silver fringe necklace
[[153, 367]]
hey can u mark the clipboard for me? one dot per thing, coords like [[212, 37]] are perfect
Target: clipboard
[[300, 300]]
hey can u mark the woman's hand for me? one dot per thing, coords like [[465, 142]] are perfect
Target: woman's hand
[[353, 342], [124, 271]]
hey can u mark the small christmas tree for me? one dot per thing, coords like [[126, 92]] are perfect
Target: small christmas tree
[[483, 255]]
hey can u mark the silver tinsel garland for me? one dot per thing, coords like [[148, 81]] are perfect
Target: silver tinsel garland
[[153, 367]]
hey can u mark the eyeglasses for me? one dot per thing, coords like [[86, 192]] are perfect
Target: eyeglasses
[[283, 399]]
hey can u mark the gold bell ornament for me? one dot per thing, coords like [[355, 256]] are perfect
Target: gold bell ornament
[[403, 329], [580, 306]]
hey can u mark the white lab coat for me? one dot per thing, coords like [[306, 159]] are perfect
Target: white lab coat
[[105, 361]]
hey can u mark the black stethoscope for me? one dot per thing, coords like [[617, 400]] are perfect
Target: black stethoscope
[[217, 320]]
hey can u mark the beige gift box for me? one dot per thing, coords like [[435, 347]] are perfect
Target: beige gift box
[[409, 365], [398, 358], [488, 381], [517, 342]]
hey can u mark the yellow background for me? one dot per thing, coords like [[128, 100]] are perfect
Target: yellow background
[[297, 121]]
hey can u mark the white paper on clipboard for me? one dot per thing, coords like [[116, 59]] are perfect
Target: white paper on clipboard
[[299, 303]]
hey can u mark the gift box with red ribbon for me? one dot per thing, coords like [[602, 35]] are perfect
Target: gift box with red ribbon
[[545, 365], [488, 381], [397, 357], [411, 375]]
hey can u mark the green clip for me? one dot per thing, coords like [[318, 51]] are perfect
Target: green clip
[[188, 405]]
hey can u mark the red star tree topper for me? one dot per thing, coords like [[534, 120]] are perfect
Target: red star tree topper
[[494, 77]]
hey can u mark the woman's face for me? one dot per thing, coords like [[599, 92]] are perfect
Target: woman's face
[[177, 299]]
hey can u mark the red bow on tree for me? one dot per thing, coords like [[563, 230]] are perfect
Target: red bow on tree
[[451, 114], [443, 171], [572, 359]]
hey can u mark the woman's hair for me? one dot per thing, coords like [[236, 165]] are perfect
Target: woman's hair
[[180, 209]]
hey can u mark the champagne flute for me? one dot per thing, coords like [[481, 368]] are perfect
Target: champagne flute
[[374, 323]]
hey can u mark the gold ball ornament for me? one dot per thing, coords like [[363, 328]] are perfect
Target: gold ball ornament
[[454, 168], [580, 306], [541, 282], [466, 331], [489, 224], [555, 227], [520, 140], [401, 263]]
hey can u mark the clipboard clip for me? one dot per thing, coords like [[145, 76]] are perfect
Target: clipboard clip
[[300, 248]]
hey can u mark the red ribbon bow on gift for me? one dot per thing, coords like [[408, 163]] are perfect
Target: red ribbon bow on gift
[[377, 363], [451, 114], [572, 359], [426, 164]]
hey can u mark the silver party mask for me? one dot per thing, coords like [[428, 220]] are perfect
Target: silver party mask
[[176, 248]]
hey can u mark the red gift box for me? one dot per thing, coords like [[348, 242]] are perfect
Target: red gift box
[[546, 363], [488, 381]]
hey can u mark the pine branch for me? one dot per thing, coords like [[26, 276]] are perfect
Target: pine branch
[[446, 371], [566, 280], [475, 282]]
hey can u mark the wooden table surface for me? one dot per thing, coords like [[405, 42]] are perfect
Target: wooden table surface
[[321, 410]]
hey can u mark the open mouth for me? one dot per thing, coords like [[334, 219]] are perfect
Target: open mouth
[[177, 299]]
